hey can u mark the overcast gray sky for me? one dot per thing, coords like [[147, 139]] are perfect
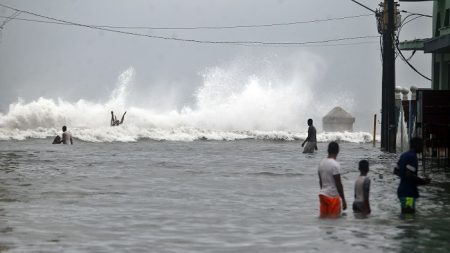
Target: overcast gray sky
[[47, 60]]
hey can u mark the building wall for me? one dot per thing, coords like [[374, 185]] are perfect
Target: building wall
[[441, 61]]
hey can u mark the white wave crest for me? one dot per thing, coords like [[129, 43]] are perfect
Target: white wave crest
[[230, 105], [133, 134]]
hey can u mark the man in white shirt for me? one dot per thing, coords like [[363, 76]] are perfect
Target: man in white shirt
[[331, 190]]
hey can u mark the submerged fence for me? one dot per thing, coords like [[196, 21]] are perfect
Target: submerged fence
[[433, 125]]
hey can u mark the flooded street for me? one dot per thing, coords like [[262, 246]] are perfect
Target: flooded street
[[202, 196]]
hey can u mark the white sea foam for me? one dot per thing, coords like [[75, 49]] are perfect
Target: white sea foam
[[230, 105], [132, 134]]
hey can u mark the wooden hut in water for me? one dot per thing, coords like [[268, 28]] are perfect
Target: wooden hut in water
[[338, 120]]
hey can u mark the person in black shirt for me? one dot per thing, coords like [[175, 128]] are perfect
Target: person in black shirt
[[407, 169]]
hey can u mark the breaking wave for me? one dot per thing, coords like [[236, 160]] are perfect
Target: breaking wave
[[230, 105], [132, 134]]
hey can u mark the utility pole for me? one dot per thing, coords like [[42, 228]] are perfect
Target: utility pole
[[388, 117], [387, 26]]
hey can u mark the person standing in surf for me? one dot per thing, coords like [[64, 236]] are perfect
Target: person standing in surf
[[407, 169], [362, 189], [311, 140], [66, 136], [331, 190]]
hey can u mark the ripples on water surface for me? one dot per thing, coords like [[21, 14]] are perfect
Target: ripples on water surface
[[202, 196]]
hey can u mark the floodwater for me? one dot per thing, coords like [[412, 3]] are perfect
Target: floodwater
[[202, 196]]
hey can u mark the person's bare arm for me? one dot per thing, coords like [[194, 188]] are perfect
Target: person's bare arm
[[366, 191], [340, 189], [112, 118], [303, 144], [123, 117]]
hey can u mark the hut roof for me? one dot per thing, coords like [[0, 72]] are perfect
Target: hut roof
[[338, 112]]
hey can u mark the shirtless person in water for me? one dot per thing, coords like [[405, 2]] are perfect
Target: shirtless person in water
[[115, 121], [66, 136]]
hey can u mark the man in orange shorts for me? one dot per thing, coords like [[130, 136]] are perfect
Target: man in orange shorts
[[331, 190]]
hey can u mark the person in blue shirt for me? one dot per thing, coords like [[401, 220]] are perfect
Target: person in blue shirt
[[407, 169]]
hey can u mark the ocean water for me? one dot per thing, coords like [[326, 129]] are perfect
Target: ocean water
[[222, 174], [245, 195]]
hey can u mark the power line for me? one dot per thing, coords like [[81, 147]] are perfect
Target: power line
[[206, 27], [362, 5], [323, 45], [418, 14], [189, 40], [404, 22], [408, 63], [36, 21], [411, 66], [347, 44], [413, 17], [7, 19]]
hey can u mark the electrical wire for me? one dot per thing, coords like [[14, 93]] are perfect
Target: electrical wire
[[411, 16], [205, 27], [404, 21], [412, 54], [419, 14], [407, 61], [8, 19], [362, 5], [324, 45], [189, 40]]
